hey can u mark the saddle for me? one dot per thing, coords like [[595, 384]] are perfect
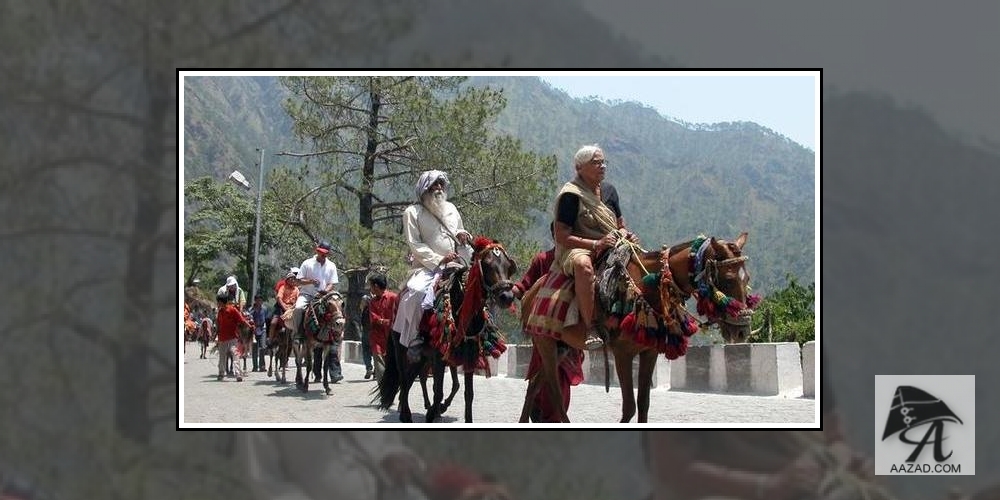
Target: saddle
[[554, 305]]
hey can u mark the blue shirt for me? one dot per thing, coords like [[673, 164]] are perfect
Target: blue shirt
[[259, 318]]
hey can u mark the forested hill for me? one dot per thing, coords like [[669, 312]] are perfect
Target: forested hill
[[226, 117], [675, 180]]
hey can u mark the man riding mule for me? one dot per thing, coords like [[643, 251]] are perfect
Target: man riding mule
[[460, 330], [438, 241], [279, 338], [644, 294], [584, 228], [317, 279], [442, 253]]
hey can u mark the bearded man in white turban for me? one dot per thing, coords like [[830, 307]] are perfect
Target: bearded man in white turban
[[437, 240]]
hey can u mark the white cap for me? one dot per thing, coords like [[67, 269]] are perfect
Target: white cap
[[231, 281]]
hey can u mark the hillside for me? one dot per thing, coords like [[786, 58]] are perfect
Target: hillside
[[675, 180], [225, 118]]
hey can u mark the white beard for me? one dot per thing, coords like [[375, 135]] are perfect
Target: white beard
[[435, 202]]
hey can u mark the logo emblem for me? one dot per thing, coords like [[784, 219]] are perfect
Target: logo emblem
[[924, 434]]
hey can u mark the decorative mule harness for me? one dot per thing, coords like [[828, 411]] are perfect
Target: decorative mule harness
[[669, 328], [455, 340]]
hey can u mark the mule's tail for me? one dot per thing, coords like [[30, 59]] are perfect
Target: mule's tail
[[384, 394]]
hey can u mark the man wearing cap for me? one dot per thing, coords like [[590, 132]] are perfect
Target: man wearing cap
[[237, 296], [437, 239], [316, 273]]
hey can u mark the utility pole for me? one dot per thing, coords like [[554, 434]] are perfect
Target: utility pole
[[256, 236]]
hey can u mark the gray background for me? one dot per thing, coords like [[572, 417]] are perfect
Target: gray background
[[909, 185]]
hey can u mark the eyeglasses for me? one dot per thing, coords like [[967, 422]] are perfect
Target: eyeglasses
[[599, 162]]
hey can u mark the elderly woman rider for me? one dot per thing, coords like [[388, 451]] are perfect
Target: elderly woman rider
[[584, 227]]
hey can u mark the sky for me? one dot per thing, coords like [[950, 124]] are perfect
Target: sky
[[785, 104]]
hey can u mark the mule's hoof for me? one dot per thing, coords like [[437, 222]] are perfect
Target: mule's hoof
[[328, 391], [433, 413], [406, 417]]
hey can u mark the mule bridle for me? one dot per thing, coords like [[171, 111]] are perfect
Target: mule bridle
[[491, 292], [708, 275]]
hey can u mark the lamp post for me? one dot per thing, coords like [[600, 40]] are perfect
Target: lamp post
[[239, 179]]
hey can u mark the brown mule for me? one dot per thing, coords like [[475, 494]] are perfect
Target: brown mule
[[722, 270]]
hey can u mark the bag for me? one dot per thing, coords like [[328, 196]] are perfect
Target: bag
[[286, 318]]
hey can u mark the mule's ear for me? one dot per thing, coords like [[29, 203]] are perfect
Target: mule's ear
[[742, 239]]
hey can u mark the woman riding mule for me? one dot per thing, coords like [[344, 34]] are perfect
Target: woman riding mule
[[646, 291], [584, 227]]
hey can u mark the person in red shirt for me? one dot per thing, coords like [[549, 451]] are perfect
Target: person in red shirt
[[381, 311], [228, 323], [286, 293], [570, 361]]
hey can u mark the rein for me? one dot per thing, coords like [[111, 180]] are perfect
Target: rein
[[477, 302], [489, 292], [672, 315]]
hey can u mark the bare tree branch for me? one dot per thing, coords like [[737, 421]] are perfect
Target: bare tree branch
[[390, 175], [319, 153], [72, 106], [48, 232], [494, 186], [239, 32], [32, 172], [394, 216], [392, 204]]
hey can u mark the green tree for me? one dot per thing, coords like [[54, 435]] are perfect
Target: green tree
[[221, 228], [372, 136], [788, 315]]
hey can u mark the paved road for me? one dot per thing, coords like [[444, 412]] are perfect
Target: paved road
[[258, 399]]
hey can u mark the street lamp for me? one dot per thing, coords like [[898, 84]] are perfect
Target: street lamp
[[238, 178]]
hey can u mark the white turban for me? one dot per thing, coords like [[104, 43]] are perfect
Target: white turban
[[427, 178]]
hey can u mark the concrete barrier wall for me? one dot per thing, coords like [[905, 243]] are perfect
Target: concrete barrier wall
[[809, 369], [593, 370], [766, 369]]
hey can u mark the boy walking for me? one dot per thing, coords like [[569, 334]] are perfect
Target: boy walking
[[228, 322]]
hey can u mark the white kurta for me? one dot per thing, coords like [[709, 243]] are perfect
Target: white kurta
[[315, 465], [325, 273], [429, 242]]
